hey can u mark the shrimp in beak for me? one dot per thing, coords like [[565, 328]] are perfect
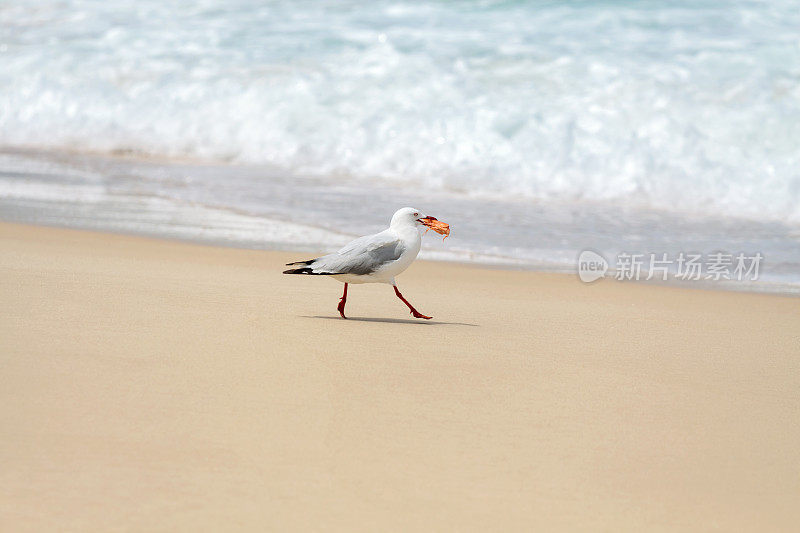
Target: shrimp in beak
[[442, 228]]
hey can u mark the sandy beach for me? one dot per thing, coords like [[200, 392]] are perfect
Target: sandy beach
[[152, 385]]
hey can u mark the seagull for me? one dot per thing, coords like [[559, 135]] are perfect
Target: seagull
[[376, 258]]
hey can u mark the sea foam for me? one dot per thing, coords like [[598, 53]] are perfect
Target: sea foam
[[687, 107]]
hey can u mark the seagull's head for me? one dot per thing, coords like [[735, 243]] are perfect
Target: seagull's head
[[409, 216]]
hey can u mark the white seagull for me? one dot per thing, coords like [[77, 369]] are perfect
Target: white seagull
[[376, 258]]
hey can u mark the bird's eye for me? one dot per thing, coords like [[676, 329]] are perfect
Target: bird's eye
[[416, 214]]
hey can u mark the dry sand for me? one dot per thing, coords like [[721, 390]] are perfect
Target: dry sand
[[155, 386]]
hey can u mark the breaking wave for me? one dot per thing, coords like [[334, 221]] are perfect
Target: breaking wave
[[685, 107]]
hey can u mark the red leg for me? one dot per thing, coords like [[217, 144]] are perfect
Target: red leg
[[342, 301], [414, 312]]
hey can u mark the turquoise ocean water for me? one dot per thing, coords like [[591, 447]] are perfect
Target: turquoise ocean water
[[536, 128]]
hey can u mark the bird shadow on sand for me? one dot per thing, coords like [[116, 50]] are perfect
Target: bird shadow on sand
[[392, 320]]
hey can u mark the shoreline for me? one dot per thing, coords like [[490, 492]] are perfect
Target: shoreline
[[261, 208], [778, 289], [152, 384]]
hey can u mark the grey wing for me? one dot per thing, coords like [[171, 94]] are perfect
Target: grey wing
[[362, 256]]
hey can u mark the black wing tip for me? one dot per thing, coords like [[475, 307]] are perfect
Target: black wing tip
[[307, 270], [308, 262], [304, 270]]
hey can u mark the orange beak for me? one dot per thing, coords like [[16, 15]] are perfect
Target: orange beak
[[442, 228]]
